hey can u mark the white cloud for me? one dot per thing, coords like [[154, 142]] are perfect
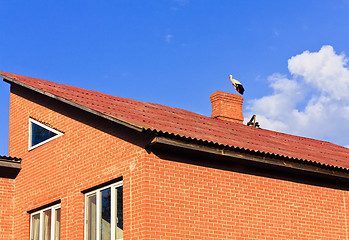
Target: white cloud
[[168, 38], [314, 102], [324, 70], [276, 33]]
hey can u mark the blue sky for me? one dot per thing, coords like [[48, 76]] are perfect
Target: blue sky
[[178, 52]]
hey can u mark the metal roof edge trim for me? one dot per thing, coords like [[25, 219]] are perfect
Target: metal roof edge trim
[[250, 150], [87, 109]]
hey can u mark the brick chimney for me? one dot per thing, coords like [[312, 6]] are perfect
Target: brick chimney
[[227, 106]]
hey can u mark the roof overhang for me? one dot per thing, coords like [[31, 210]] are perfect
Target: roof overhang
[[9, 167], [14, 81], [248, 162]]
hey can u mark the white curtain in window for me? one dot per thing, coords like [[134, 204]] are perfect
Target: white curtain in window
[[35, 227], [91, 217], [47, 225], [58, 224]]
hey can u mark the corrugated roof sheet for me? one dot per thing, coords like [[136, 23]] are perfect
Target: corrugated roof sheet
[[10, 159], [191, 125]]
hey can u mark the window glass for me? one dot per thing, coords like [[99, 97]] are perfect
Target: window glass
[[119, 214], [35, 227], [105, 219], [46, 224], [58, 224], [107, 222], [40, 134], [91, 217]]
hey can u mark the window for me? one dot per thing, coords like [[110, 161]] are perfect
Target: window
[[45, 224], [40, 134], [104, 213]]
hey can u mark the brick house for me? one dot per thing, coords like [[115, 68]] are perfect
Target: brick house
[[9, 169], [94, 166]]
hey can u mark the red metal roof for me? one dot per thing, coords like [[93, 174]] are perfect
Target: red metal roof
[[191, 125]]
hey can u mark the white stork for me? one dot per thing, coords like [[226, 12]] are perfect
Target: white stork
[[237, 85]]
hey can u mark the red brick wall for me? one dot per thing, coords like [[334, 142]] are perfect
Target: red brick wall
[[6, 208], [194, 202], [162, 199], [80, 159]]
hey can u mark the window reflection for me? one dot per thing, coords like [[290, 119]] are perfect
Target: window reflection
[[119, 214], [104, 213], [105, 220], [40, 134]]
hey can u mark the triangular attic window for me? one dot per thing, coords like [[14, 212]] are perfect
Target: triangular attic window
[[40, 134]]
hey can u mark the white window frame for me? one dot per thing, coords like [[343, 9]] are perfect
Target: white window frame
[[30, 147], [98, 193], [53, 220]]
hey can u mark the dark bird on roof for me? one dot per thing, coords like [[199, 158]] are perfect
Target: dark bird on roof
[[237, 85]]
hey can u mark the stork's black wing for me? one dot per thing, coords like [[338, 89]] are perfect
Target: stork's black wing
[[240, 89]]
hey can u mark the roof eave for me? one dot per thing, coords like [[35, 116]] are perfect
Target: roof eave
[[100, 114], [252, 157], [9, 167]]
